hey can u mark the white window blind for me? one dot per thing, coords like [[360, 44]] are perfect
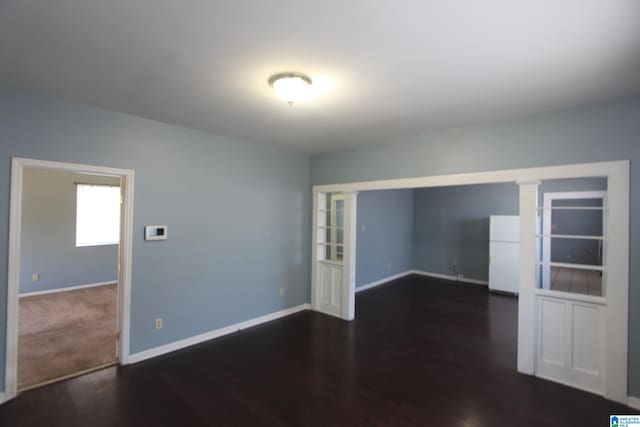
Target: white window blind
[[97, 215]]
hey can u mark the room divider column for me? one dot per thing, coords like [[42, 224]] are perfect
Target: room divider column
[[349, 260], [526, 297]]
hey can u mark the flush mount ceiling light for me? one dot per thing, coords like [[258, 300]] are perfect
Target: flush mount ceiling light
[[291, 87]]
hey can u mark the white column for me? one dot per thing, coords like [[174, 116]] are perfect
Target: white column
[[616, 282], [349, 256], [318, 219], [526, 298]]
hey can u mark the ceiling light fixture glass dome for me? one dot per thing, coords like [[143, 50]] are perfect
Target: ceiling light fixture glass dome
[[291, 87]]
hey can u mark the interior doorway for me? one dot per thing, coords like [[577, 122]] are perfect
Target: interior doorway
[[537, 324], [70, 240], [68, 274]]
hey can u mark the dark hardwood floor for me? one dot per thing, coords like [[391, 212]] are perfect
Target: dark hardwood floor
[[420, 352]]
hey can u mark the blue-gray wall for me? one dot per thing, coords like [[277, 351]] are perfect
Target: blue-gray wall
[[384, 221], [610, 131], [452, 224], [48, 245], [238, 213]]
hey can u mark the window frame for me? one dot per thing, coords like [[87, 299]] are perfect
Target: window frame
[[77, 244]]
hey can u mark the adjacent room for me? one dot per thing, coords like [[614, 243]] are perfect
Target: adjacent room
[[69, 275], [330, 213]]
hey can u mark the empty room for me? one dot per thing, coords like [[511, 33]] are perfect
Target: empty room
[[331, 213], [69, 275]]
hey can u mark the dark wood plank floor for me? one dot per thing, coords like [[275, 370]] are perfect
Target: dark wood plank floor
[[420, 352]]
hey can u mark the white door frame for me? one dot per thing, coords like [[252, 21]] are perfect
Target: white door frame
[[617, 173], [547, 200], [18, 166], [348, 262], [334, 224]]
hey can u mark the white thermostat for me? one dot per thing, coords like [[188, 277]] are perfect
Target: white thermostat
[[155, 232]]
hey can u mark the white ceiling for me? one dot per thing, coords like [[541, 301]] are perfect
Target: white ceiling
[[389, 69]]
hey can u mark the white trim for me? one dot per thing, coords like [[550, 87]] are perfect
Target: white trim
[[569, 384], [13, 276], [207, 336], [68, 288], [451, 278], [383, 281], [581, 170], [547, 235], [633, 402], [326, 261], [349, 255], [590, 299], [316, 256], [616, 260], [573, 266], [334, 227], [527, 204], [617, 173], [3, 397]]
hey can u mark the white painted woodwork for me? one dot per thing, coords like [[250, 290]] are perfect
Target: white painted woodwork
[[333, 281], [335, 213], [528, 225], [330, 289], [616, 256], [547, 234], [13, 278], [349, 256], [616, 278], [570, 342]]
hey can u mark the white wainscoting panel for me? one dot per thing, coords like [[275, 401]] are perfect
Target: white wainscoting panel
[[330, 281], [552, 332], [570, 338]]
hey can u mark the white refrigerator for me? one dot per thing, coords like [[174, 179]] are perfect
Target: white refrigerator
[[504, 253]]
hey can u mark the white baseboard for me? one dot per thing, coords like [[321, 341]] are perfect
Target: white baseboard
[[3, 397], [188, 342], [633, 402], [68, 288], [452, 278], [382, 281]]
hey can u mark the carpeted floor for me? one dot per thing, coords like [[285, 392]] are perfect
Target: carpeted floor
[[64, 333]]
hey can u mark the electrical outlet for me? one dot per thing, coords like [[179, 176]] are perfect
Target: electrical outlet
[[281, 292], [453, 266], [363, 228], [158, 323], [35, 277], [389, 266]]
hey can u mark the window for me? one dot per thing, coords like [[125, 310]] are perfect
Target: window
[[97, 215], [331, 224], [573, 240]]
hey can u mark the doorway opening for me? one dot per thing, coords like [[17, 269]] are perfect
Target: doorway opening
[[69, 277], [555, 328]]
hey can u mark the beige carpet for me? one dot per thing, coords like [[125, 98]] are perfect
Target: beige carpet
[[64, 333]]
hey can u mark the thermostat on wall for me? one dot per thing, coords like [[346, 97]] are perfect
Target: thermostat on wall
[[155, 232]]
